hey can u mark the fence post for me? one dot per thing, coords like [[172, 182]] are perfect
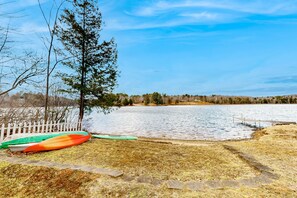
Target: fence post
[[2, 132]]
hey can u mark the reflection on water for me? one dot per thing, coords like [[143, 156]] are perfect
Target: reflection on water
[[188, 122]]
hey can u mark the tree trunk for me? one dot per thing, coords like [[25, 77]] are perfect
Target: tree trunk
[[46, 95], [83, 70]]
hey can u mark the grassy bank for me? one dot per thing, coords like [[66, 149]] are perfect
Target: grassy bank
[[203, 161]]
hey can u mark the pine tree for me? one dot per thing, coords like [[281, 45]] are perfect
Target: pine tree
[[94, 62]]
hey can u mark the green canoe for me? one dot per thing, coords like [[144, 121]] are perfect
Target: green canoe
[[37, 138], [111, 137]]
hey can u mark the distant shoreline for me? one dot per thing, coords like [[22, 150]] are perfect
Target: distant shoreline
[[210, 104]]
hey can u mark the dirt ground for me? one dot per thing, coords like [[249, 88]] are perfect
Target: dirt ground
[[264, 166]]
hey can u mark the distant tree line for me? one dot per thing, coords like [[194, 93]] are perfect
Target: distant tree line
[[121, 99], [164, 99]]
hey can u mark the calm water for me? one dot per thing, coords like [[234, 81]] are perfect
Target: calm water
[[188, 122]]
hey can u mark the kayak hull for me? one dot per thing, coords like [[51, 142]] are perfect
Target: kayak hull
[[36, 138], [110, 137]]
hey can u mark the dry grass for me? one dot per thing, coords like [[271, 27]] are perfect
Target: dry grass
[[275, 147], [161, 161], [29, 181]]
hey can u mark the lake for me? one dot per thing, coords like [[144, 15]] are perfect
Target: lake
[[210, 122]]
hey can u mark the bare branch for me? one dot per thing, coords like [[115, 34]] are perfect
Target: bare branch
[[5, 39]]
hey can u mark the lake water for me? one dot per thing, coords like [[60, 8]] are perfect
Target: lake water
[[213, 122]]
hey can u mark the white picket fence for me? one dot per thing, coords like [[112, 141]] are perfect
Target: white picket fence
[[24, 129]]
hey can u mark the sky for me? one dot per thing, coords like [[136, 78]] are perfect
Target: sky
[[199, 47]]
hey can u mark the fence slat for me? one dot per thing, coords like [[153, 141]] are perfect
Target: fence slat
[[19, 129], [24, 128], [46, 127], [8, 130], [34, 127], [14, 128], [2, 132], [42, 128], [29, 128], [76, 126], [68, 126], [71, 126], [39, 127], [51, 125]]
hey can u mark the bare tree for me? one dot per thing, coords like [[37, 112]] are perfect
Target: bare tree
[[51, 49], [16, 68]]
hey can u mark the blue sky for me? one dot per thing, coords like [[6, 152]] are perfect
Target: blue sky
[[230, 47]]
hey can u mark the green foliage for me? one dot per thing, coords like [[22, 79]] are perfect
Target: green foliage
[[93, 62], [125, 102], [157, 98], [130, 102], [147, 99]]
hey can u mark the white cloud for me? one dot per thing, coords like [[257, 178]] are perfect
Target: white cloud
[[170, 13], [272, 7], [200, 15]]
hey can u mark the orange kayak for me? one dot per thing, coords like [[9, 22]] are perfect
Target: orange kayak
[[52, 143]]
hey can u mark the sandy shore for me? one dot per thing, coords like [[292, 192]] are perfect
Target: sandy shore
[[259, 167]]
